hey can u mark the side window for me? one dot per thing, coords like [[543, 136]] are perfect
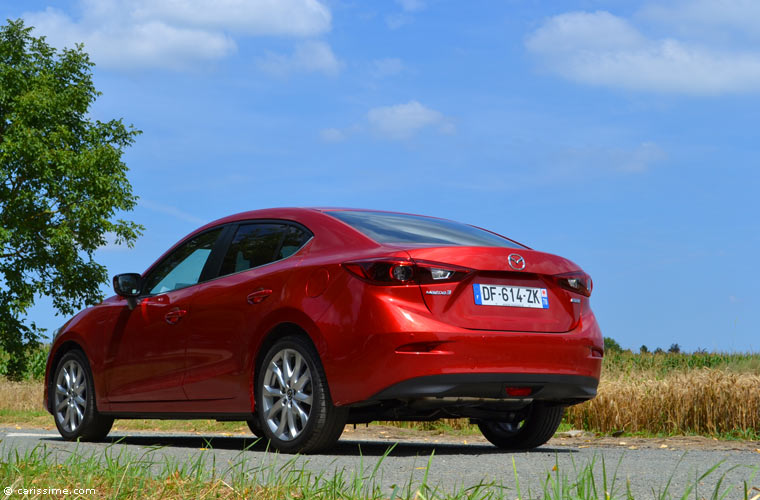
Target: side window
[[261, 243], [184, 266], [253, 245], [295, 238]]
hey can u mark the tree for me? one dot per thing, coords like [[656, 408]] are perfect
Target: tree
[[611, 345], [643, 349], [62, 182], [674, 348]]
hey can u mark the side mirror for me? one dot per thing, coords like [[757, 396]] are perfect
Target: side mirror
[[127, 285]]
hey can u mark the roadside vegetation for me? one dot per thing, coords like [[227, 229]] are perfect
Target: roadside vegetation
[[711, 394], [644, 393], [117, 473]]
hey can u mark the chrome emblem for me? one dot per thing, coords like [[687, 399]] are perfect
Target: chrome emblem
[[516, 262]]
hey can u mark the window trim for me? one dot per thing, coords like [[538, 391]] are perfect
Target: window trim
[[236, 225], [214, 262], [202, 278]]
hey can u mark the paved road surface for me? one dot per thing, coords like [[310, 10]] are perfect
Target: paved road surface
[[453, 464]]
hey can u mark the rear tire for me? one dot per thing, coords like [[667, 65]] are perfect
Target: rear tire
[[539, 425], [72, 394], [255, 427], [293, 402]]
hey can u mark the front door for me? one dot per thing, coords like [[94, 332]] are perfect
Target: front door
[[146, 353]]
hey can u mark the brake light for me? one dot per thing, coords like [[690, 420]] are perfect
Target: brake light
[[578, 282], [518, 391], [405, 272]]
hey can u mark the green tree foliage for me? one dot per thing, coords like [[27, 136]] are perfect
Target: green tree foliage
[[62, 182], [643, 349], [611, 345]]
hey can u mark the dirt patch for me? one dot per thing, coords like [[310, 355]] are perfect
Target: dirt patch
[[572, 439]]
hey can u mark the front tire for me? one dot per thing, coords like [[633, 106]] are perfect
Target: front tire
[[72, 391], [538, 426], [293, 401]]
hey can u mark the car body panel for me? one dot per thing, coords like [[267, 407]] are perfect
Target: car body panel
[[369, 337]]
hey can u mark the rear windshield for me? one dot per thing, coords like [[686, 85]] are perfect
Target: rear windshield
[[413, 229]]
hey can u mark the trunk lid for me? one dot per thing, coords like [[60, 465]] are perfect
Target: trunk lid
[[471, 302]]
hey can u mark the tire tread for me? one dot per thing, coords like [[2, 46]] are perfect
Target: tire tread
[[539, 427]]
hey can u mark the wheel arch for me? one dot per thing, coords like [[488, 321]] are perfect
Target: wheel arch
[[284, 323]]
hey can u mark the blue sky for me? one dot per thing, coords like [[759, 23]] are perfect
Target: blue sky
[[622, 135]]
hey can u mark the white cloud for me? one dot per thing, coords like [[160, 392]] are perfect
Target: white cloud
[[249, 17], [309, 56], [411, 5], [386, 67], [396, 21], [171, 210], [332, 135], [602, 49], [402, 121], [174, 34], [152, 44], [641, 158], [112, 243], [701, 17]]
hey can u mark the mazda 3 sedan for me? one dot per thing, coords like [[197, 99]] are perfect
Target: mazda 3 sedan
[[301, 320]]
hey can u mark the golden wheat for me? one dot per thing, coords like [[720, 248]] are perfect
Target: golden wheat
[[700, 401], [20, 396]]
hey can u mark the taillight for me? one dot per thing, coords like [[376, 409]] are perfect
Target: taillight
[[431, 273], [578, 282], [383, 272], [405, 272]]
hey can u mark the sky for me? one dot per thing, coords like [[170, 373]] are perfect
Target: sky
[[621, 135]]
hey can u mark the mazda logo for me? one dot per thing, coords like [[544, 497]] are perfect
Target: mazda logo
[[516, 262]]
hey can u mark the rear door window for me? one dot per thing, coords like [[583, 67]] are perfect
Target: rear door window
[[257, 244]]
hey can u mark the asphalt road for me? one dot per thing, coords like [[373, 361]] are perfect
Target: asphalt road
[[453, 465]]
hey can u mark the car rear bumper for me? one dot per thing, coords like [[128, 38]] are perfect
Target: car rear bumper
[[569, 389], [408, 354]]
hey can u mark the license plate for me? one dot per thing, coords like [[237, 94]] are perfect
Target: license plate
[[510, 296]]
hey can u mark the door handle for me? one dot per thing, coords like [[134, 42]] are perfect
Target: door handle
[[173, 316], [258, 296]]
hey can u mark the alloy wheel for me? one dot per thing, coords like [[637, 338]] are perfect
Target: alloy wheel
[[70, 395], [287, 394]]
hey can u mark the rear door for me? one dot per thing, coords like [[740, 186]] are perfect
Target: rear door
[[252, 281], [498, 296]]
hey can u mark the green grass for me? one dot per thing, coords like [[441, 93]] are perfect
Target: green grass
[[626, 364], [118, 473]]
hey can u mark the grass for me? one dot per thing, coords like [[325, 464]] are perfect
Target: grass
[[628, 365], [118, 473]]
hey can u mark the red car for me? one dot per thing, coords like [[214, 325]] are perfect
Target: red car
[[301, 320]]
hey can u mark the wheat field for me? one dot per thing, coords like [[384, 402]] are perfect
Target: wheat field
[[703, 401]]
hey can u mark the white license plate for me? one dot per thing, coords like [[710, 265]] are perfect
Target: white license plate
[[510, 296]]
